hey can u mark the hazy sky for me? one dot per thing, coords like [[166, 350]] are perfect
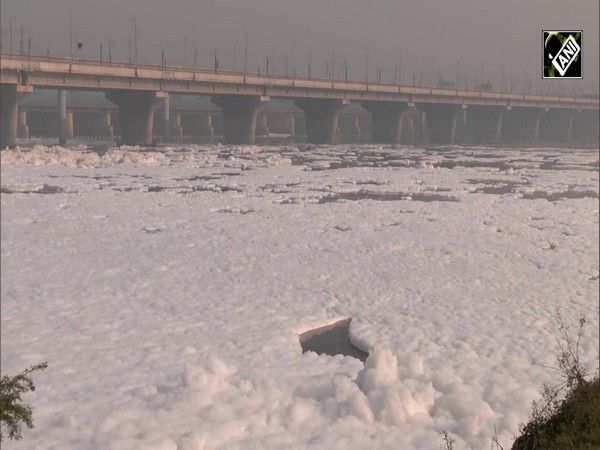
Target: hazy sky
[[492, 37]]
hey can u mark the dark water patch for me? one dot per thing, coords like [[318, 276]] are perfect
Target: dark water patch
[[242, 211], [127, 189], [502, 165], [151, 230], [216, 189], [387, 197], [45, 189], [331, 340], [156, 188], [199, 178], [496, 187], [556, 196]]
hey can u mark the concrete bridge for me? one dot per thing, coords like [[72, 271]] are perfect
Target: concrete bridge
[[440, 115]]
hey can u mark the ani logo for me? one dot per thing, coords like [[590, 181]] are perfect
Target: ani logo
[[561, 54]]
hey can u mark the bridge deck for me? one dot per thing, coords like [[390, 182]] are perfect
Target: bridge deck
[[99, 75]]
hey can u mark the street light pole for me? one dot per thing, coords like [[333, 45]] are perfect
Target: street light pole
[[194, 45], [245, 57], [135, 41], [367, 74], [10, 27], [71, 34]]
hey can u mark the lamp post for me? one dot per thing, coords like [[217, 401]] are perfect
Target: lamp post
[[367, 72], [135, 41], [11, 34], [245, 57], [70, 35], [194, 45]]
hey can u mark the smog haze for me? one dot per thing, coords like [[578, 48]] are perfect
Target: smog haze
[[464, 41]]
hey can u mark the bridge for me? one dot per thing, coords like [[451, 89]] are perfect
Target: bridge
[[445, 115]]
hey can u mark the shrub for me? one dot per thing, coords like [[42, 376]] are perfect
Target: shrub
[[12, 409], [568, 415]]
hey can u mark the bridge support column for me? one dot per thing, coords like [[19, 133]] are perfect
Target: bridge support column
[[292, 125], [175, 125], [208, 127], [70, 127], [557, 125], [356, 126], [9, 101], [23, 128], [166, 112], [442, 122], [535, 133], [569, 131], [62, 117], [106, 127], [262, 125], [498, 131], [485, 124], [321, 118], [586, 126], [386, 121], [136, 114], [239, 116]]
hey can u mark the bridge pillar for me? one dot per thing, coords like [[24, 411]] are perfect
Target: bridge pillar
[[106, 127], [485, 123], [441, 122], [166, 119], [70, 127], [586, 126], [557, 125], [207, 127], [9, 101], [498, 131], [239, 116], [62, 117], [262, 125], [23, 128], [136, 114], [321, 118], [356, 126], [291, 125], [176, 126], [386, 121], [569, 131]]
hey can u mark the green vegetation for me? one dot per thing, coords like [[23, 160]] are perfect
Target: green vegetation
[[12, 409], [568, 415]]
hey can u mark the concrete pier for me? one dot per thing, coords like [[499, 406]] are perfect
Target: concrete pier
[[166, 120], [62, 117], [239, 116], [386, 119], [23, 128], [557, 125], [70, 125], [176, 128], [206, 126], [485, 123], [136, 113], [9, 103], [441, 123], [106, 127], [586, 126], [321, 119], [291, 125], [262, 125]]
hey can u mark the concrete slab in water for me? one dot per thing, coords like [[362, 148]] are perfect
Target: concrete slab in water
[[331, 340]]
